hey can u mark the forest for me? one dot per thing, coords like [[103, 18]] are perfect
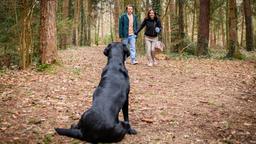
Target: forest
[[192, 27], [202, 91]]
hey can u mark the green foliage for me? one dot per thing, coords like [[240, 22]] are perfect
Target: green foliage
[[217, 53], [35, 32], [47, 138], [107, 39], [64, 27], [9, 38], [48, 68], [76, 71], [75, 141], [184, 55], [156, 4], [2, 71], [97, 39], [189, 46], [43, 67], [10, 29]]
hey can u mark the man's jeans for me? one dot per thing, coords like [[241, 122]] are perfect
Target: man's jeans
[[131, 41]]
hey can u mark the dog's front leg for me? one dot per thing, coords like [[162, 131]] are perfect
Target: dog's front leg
[[125, 110]]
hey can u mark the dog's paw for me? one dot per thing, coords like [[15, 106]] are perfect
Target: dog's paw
[[132, 131]]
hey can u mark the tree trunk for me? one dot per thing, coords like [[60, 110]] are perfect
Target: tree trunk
[[64, 37], [186, 20], [232, 23], [173, 29], [223, 31], [76, 23], [249, 26], [242, 32], [178, 29], [116, 17], [193, 21], [111, 22], [181, 19], [227, 24], [48, 37], [203, 30], [97, 32], [88, 13], [25, 47], [101, 22], [82, 25]]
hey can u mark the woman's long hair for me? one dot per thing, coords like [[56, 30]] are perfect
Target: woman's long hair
[[148, 17]]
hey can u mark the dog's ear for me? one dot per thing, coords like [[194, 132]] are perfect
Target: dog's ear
[[126, 50], [106, 50]]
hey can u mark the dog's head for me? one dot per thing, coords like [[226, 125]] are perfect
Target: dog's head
[[117, 49]]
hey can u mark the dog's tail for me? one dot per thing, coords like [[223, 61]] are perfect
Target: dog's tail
[[74, 133]]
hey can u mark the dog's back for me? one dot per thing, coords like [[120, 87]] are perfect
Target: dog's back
[[100, 123]]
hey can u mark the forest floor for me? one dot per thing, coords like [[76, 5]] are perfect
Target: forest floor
[[178, 101]]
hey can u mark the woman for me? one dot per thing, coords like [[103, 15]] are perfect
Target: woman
[[153, 28]]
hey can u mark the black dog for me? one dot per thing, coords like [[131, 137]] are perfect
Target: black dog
[[100, 123]]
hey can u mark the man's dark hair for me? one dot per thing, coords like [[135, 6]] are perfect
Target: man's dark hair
[[129, 5]]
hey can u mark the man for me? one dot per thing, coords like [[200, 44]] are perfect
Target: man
[[127, 27]]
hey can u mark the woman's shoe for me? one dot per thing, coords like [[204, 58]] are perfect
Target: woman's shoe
[[155, 62], [150, 64]]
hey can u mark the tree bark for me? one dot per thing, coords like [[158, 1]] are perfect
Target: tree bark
[[193, 21], [181, 19], [76, 23], [116, 16], [223, 30], [242, 31], [48, 37], [186, 20], [232, 26], [83, 23], [64, 37], [87, 6], [248, 25], [227, 24], [203, 30], [111, 22], [25, 47]]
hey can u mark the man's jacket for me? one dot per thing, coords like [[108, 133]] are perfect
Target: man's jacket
[[124, 25]]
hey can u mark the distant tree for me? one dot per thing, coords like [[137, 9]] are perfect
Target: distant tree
[[181, 19], [76, 23], [48, 32], [203, 30], [65, 12], [26, 45], [116, 16], [194, 19], [233, 51], [248, 23]]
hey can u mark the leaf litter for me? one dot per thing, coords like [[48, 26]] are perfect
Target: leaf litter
[[177, 101]]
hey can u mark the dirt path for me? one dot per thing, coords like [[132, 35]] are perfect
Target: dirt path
[[179, 101]]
